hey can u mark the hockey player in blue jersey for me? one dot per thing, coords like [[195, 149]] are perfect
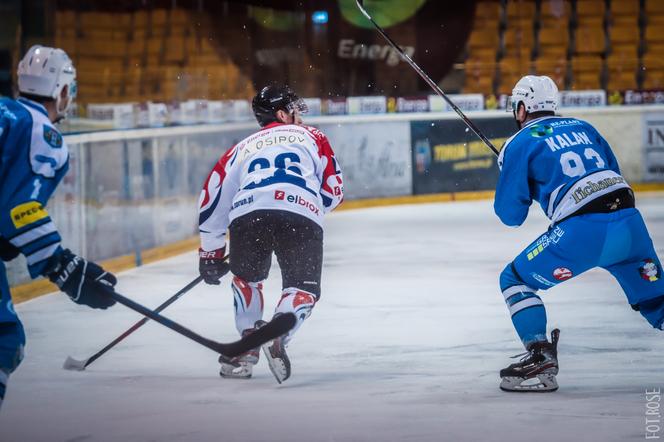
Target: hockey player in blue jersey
[[569, 169], [33, 160]]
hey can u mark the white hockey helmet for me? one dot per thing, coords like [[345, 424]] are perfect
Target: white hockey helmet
[[537, 93], [44, 72]]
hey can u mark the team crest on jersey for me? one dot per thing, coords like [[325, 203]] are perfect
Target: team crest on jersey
[[52, 137], [540, 130], [650, 270]]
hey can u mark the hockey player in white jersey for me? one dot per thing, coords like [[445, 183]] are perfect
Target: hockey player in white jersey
[[270, 191], [33, 161]]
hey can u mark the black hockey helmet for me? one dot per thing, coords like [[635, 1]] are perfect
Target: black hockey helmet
[[272, 98]]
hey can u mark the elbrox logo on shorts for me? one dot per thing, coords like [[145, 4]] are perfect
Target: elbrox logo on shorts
[[296, 199]]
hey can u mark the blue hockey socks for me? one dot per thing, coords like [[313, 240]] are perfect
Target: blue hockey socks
[[526, 308]]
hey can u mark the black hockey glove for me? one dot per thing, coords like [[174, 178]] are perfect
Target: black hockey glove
[[83, 281], [7, 250], [212, 265]]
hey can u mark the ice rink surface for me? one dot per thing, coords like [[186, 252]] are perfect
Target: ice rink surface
[[405, 345]]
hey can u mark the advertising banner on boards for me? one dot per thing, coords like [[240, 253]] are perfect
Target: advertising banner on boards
[[653, 146], [374, 157], [448, 157]]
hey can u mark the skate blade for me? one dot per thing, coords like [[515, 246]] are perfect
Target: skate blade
[[542, 383], [243, 371], [277, 366]]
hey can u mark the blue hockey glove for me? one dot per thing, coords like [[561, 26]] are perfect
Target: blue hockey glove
[[7, 250], [83, 281], [212, 265]]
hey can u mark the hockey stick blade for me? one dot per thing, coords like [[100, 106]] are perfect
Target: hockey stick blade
[[280, 325], [74, 364], [432, 84]]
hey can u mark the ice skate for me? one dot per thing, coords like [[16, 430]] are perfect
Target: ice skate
[[240, 367], [536, 371], [277, 359]]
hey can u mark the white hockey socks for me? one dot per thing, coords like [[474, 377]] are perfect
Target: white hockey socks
[[248, 298], [297, 302]]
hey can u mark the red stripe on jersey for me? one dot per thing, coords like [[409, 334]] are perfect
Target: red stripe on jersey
[[220, 169]]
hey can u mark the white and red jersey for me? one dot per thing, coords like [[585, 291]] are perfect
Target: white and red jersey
[[281, 167]]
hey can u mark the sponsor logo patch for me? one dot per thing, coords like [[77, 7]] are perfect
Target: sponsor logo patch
[[540, 130], [562, 273], [27, 213], [243, 202], [544, 241], [296, 199], [650, 270], [542, 280]]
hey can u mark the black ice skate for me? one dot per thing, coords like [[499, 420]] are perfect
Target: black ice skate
[[240, 367], [536, 371], [277, 359]]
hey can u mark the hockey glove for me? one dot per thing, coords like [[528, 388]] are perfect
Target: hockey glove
[[212, 265], [7, 250], [83, 281]]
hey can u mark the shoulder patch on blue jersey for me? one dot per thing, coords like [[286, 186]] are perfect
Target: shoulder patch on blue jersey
[[52, 137], [540, 130]]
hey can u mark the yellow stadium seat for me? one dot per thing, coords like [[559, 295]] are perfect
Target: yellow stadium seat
[[585, 81], [590, 8], [590, 40], [484, 38], [587, 63], [553, 42], [520, 9], [654, 31], [625, 7], [653, 61], [555, 14], [654, 79]]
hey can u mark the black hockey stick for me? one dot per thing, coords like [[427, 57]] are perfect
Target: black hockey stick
[[278, 326], [428, 80], [75, 364]]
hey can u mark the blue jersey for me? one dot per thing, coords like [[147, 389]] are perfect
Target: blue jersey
[[562, 163], [33, 160]]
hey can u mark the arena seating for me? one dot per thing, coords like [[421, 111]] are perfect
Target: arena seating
[[582, 44], [147, 55]]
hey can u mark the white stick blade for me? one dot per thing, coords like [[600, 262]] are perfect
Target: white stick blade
[[74, 364]]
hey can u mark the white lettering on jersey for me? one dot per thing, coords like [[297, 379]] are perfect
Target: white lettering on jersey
[[565, 141]]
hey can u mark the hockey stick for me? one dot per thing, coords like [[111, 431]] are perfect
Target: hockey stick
[[428, 80], [75, 364], [278, 326]]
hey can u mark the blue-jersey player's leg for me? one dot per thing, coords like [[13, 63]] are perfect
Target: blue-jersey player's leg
[[12, 337], [551, 259], [632, 260]]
